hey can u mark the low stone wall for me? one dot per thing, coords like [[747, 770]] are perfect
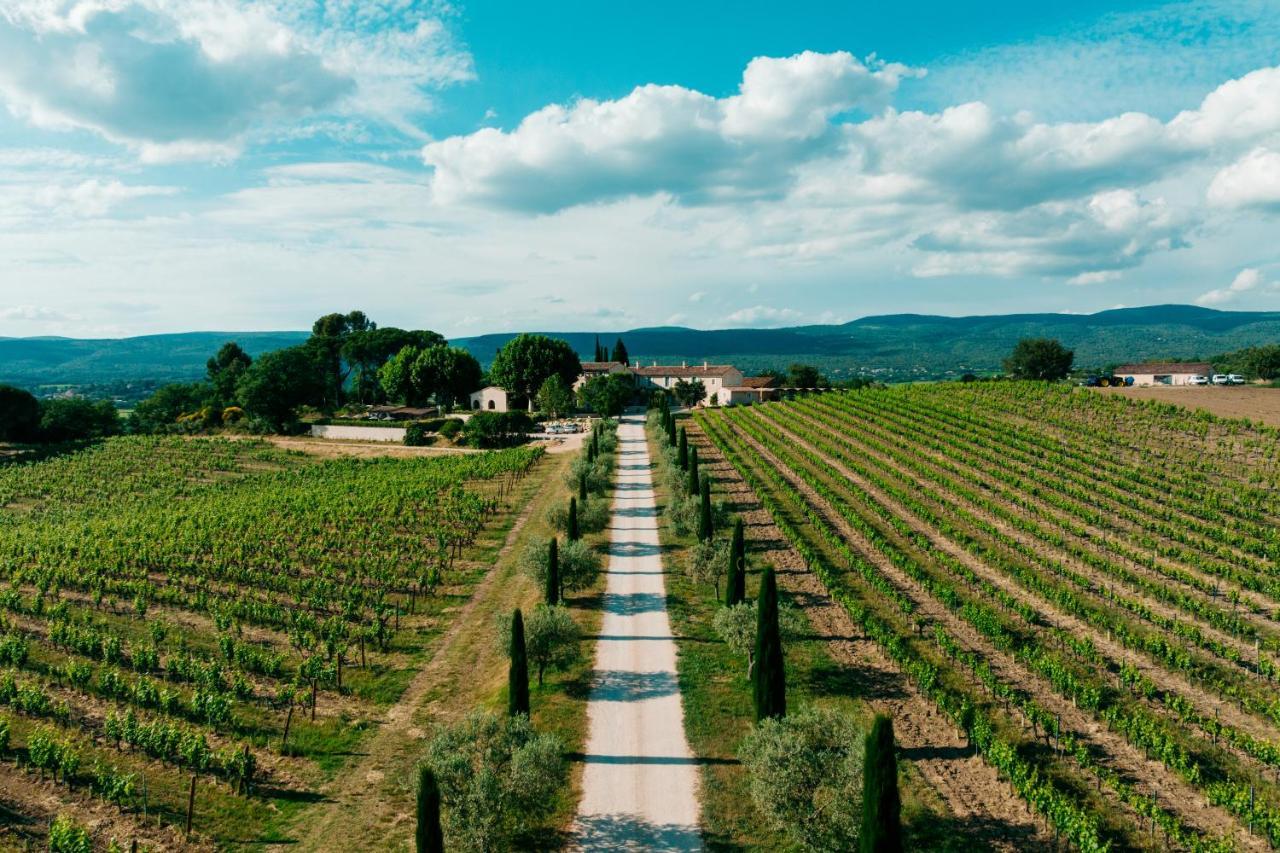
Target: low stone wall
[[358, 433]]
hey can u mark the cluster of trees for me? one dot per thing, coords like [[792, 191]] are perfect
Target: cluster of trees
[[619, 352], [1043, 359], [1256, 362], [26, 419], [343, 361], [799, 376]]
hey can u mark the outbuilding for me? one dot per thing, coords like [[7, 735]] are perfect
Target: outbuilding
[[1164, 373], [491, 398]]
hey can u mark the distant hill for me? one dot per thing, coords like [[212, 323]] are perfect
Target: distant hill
[[905, 346], [893, 347], [170, 358]]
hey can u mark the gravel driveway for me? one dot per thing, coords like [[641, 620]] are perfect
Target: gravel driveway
[[640, 781]]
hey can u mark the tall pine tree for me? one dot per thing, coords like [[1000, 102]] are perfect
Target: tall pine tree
[[572, 533], [429, 837], [683, 452], [705, 527], [735, 588], [769, 686], [518, 674], [881, 805], [553, 572], [620, 352], [694, 483]]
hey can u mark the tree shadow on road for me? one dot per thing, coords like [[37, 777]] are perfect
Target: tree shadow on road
[[629, 832]]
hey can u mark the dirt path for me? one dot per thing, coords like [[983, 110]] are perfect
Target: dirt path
[[640, 778], [356, 812], [982, 811]]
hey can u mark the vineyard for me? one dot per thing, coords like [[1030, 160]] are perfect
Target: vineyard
[[215, 621], [1086, 586]]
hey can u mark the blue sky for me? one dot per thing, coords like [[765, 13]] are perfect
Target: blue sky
[[239, 164]]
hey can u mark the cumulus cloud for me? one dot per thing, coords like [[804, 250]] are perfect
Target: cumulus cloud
[[763, 315], [92, 197], [32, 314], [1086, 241], [188, 80], [665, 139], [1252, 181], [1248, 280]]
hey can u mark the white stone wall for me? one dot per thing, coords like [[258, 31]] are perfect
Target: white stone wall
[[358, 433]]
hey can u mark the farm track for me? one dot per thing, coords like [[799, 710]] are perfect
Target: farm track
[[984, 811], [1147, 775]]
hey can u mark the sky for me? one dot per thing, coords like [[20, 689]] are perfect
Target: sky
[[177, 165]]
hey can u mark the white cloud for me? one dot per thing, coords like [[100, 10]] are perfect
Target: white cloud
[[92, 197], [1246, 281], [1112, 231], [32, 314], [190, 79], [1094, 277], [664, 139], [1251, 181], [763, 315]]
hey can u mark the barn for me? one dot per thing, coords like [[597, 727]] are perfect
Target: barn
[[1164, 373]]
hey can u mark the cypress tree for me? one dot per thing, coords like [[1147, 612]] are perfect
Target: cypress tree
[[582, 487], [518, 675], [881, 806], [770, 686], [429, 836], [572, 532], [735, 590], [671, 429], [705, 530], [694, 486], [684, 450], [553, 572]]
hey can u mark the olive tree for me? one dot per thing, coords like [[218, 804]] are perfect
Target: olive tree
[[736, 627], [552, 639], [496, 775], [806, 777], [579, 564]]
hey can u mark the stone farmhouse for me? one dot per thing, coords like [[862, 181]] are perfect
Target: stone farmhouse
[[725, 385]]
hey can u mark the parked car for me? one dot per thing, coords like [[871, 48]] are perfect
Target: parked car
[[1235, 378], [1198, 380], [1221, 379]]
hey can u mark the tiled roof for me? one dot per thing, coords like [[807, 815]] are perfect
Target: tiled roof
[[758, 381], [1195, 367], [601, 366], [676, 370]]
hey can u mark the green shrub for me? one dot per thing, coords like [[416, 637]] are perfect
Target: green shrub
[[67, 836], [806, 777], [496, 775], [579, 564], [497, 429], [450, 428], [593, 516], [416, 434]]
